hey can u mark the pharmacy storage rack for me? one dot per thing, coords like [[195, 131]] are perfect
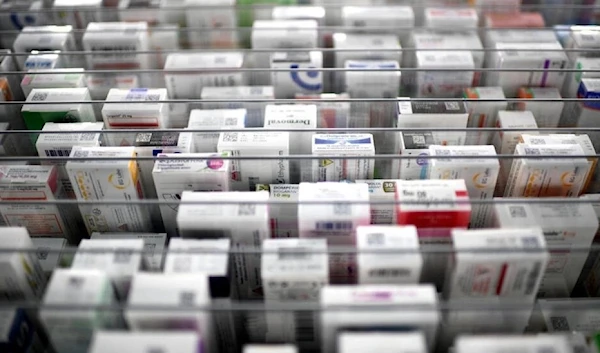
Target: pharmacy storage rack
[[299, 176]]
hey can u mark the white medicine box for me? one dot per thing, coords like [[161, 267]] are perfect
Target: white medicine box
[[299, 79]]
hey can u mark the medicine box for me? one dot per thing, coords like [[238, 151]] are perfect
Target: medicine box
[[284, 34], [49, 253], [316, 13], [333, 111], [154, 245], [585, 113], [562, 315], [78, 13], [44, 38], [382, 194], [443, 84], [299, 79], [355, 342], [142, 342], [503, 343], [582, 41], [214, 119], [174, 173], [121, 41], [283, 216], [18, 331], [231, 97], [483, 114], [547, 113], [342, 145], [449, 18], [396, 18], [36, 115], [214, 21], [43, 60], [372, 78], [514, 20], [530, 35], [59, 78]]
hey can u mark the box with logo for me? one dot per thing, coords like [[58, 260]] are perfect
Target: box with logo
[[378, 298], [154, 244], [255, 111], [59, 78], [480, 174], [402, 267], [397, 18], [565, 226], [247, 173], [372, 78], [108, 174], [242, 217], [283, 216], [217, 119], [174, 173], [412, 144], [45, 38], [483, 114], [43, 60], [548, 113], [547, 177], [141, 342], [299, 79], [342, 145], [214, 21], [36, 115], [443, 84], [516, 274], [183, 84], [19, 333], [383, 192], [449, 18]]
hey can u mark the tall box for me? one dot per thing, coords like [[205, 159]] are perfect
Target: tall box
[[483, 114]]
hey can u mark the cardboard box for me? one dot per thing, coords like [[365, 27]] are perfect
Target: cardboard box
[[119, 37], [567, 315], [443, 84], [100, 84], [330, 112], [78, 13], [355, 342], [581, 39], [141, 342], [362, 18], [372, 79], [289, 83], [214, 21], [60, 78], [45, 38], [174, 173], [483, 114], [37, 115], [585, 113], [255, 111], [449, 18], [283, 216], [316, 13], [514, 20], [497, 343], [383, 193], [42, 60], [412, 144], [328, 145], [547, 114], [154, 245], [217, 119]]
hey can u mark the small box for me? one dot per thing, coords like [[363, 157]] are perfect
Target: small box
[[547, 114], [492, 37], [72, 330], [60, 78], [443, 84], [22, 276], [547, 177], [49, 253], [189, 84], [45, 38], [247, 173], [331, 112], [100, 84], [283, 216], [8, 143], [383, 193], [372, 79], [539, 56], [106, 179], [356, 342], [154, 245], [402, 267], [43, 60], [217, 119], [299, 79], [207, 256], [402, 317], [363, 18], [480, 174], [515, 273], [568, 315], [497, 343], [37, 115], [350, 145], [581, 40], [584, 68], [174, 173], [243, 217], [564, 225], [214, 22], [78, 13], [142, 342], [130, 37], [449, 18], [255, 111], [134, 115], [18, 332], [483, 114], [316, 13], [121, 259], [585, 113], [514, 20]]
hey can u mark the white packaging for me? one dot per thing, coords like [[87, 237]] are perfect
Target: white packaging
[[295, 116], [585, 68], [316, 13], [214, 23], [283, 216], [35, 115], [342, 145], [188, 84], [295, 270], [480, 175], [564, 225], [483, 114], [243, 217], [121, 259], [298, 80], [22, 276], [163, 39], [134, 115], [59, 78], [443, 84], [538, 56], [514, 273], [117, 37], [72, 330], [391, 310], [78, 13], [583, 40], [49, 253], [525, 344], [217, 119], [143, 342], [154, 245], [547, 114], [412, 144], [363, 18], [175, 173], [45, 38], [383, 193], [384, 342], [232, 95], [388, 255], [585, 113], [100, 84], [43, 60], [449, 18], [110, 180], [372, 79], [570, 315], [529, 35], [247, 173]]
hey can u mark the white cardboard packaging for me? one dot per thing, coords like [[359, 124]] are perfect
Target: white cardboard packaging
[[44, 38], [480, 273], [217, 119], [483, 114], [403, 267], [498, 343], [121, 259], [60, 78], [142, 342], [22, 274], [529, 35], [547, 114], [562, 315], [49, 253], [316, 13], [372, 79], [296, 81], [175, 173], [384, 342], [361, 18], [383, 191], [480, 174], [443, 84], [78, 13], [43, 60], [72, 330], [333, 112], [213, 22], [564, 226], [189, 84], [36, 115], [112, 180], [449, 18], [243, 217], [247, 173], [380, 298], [582, 38], [254, 111], [154, 245], [283, 216], [585, 113], [343, 145]]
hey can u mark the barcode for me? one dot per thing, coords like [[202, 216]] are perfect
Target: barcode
[[389, 272], [452, 106], [532, 279], [187, 298], [143, 137], [376, 239], [294, 254], [532, 151], [560, 323], [87, 136], [122, 256], [39, 96], [305, 326], [58, 153], [230, 121], [341, 226], [517, 211], [42, 253], [247, 210], [418, 140], [343, 209], [230, 137]]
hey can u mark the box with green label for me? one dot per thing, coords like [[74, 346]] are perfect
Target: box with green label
[[36, 115]]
